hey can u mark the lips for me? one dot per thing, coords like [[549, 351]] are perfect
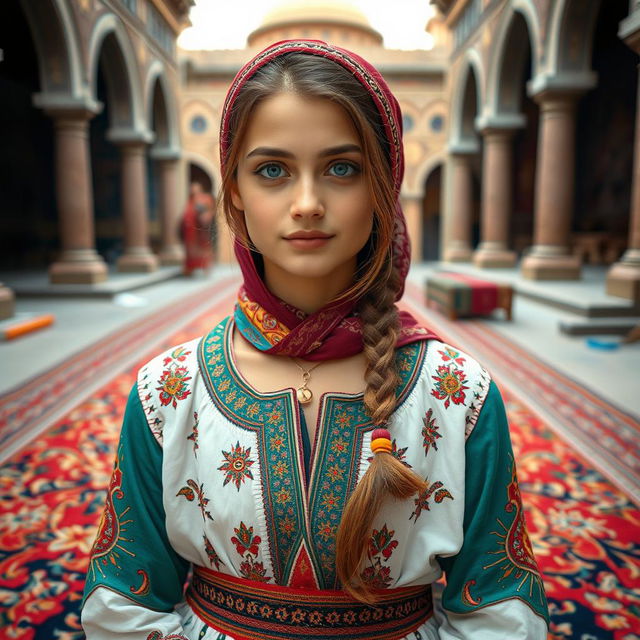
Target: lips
[[308, 235], [306, 240]]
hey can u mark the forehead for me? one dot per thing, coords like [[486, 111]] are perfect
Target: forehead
[[292, 119]]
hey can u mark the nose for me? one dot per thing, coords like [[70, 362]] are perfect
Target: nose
[[307, 201]]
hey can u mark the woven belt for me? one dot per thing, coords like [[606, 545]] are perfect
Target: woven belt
[[251, 610]]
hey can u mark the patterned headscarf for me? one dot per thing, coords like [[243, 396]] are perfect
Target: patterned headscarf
[[334, 331]]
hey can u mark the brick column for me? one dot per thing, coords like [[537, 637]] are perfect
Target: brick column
[[493, 250], [623, 278], [171, 250], [550, 257], [137, 256], [78, 261], [459, 246]]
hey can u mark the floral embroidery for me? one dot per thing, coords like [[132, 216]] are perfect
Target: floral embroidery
[[236, 465], [245, 541], [173, 385], [194, 434], [430, 432], [157, 635], [274, 424], [449, 385], [382, 542], [515, 553], [381, 546], [191, 491], [179, 355], [247, 545], [214, 558], [422, 501], [451, 354]]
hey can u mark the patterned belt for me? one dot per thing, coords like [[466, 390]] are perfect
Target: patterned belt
[[251, 610]]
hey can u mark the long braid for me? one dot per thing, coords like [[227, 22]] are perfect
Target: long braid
[[386, 475]]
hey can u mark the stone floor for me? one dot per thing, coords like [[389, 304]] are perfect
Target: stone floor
[[83, 319]]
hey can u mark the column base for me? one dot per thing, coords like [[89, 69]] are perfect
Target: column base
[[556, 267], [137, 261], [457, 254], [494, 258], [78, 267], [171, 256], [7, 302], [623, 281]]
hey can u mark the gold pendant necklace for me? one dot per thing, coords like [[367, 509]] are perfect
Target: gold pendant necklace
[[303, 392]]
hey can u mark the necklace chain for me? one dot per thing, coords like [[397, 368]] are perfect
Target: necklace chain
[[303, 392]]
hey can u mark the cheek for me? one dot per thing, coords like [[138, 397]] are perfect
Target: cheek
[[362, 223], [255, 229]]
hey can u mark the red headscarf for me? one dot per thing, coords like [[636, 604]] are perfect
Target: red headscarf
[[333, 331]]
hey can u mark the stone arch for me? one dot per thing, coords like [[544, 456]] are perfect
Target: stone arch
[[572, 25], [161, 109], [56, 42], [110, 45], [467, 102], [507, 72], [519, 24]]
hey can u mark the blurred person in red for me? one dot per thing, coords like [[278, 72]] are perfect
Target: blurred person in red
[[196, 230]]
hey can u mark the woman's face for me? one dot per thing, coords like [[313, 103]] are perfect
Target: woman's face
[[300, 184]]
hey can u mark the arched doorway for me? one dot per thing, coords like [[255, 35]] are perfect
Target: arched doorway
[[106, 168], [199, 174], [28, 213], [466, 167], [509, 130], [164, 201], [516, 70], [121, 137], [431, 215], [604, 153], [160, 129]]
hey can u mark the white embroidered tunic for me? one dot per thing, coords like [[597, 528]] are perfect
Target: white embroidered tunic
[[212, 473]]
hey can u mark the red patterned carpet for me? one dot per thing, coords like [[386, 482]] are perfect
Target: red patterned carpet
[[585, 530]]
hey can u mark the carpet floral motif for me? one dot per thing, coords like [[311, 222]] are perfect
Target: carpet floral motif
[[583, 530]]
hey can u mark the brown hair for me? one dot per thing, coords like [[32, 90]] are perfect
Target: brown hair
[[375, 285]]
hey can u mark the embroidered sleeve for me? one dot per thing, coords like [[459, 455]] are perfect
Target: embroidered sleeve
[[495, 572], [135, 578]]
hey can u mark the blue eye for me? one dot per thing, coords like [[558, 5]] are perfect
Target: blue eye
[[271, 171], [343, 169]]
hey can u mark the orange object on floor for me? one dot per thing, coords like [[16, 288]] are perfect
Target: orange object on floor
[[27, 326]]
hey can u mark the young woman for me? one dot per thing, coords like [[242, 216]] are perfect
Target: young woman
[[319, 461]]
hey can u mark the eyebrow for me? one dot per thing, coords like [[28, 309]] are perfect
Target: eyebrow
[[281, 153]]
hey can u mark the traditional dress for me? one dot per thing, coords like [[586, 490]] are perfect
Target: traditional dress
[[218, 487]]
